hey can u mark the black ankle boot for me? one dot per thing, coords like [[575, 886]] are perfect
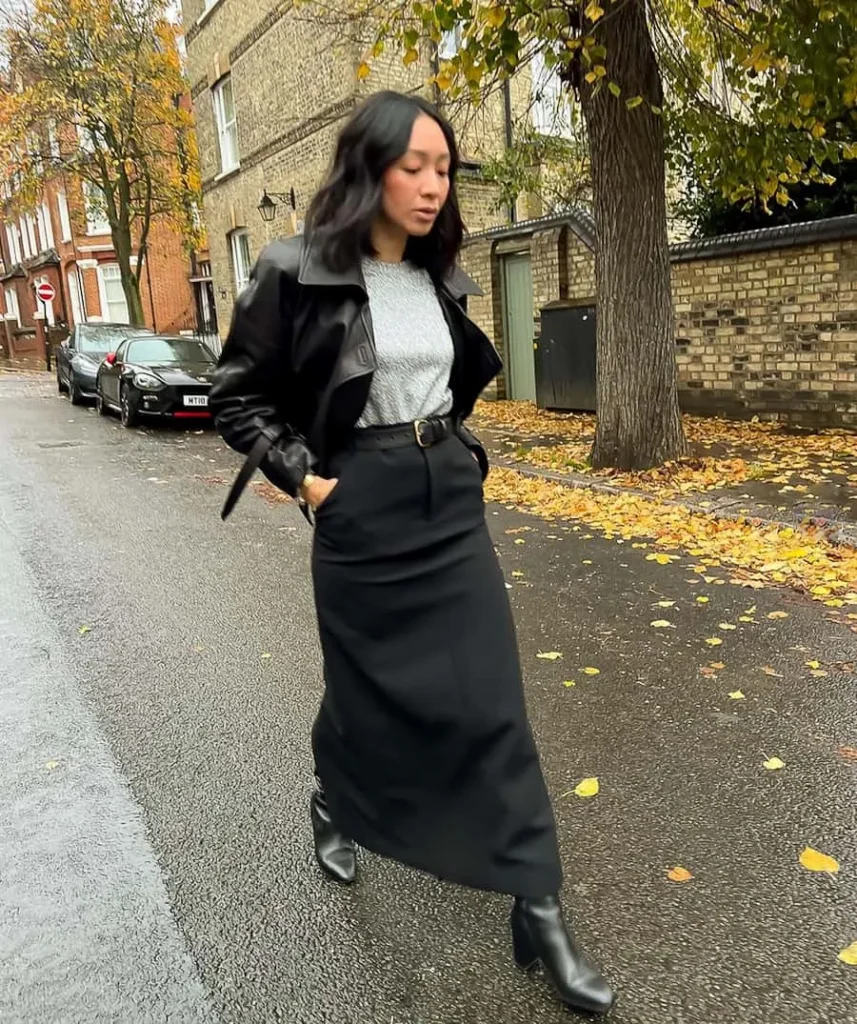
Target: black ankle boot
[[540, 935], [336, 855]]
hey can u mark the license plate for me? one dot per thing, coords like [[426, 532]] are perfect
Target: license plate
[[196, 399]]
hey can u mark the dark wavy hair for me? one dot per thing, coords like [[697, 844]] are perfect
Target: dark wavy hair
[[340, 217]]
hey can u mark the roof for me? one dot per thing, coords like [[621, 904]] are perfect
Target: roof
[[832, 229]]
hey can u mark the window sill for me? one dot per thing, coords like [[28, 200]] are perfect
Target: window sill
[[227, 174], [206, 14]]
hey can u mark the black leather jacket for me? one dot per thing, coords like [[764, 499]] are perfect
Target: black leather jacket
[[296, 367]]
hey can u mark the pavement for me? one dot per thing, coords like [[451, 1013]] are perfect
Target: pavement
[[786, 475], [159, 674]]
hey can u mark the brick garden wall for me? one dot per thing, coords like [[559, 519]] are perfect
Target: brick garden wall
[[766, 322]]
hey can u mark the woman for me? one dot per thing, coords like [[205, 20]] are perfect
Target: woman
[[347, 375]]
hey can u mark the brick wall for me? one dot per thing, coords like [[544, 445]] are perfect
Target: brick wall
[[766, 322]]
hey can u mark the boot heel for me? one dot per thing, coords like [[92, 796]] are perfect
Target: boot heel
[[522, 948]]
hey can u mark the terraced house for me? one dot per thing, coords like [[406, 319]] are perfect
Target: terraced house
[[271, 87]]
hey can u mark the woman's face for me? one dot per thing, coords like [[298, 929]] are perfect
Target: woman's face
[[417, 185]]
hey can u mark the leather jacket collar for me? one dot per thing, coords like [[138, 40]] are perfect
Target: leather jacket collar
[[314, 271]]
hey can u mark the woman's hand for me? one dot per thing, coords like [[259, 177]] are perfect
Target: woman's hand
[[318, 491]]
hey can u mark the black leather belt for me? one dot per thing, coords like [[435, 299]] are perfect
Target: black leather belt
[[422, 433]]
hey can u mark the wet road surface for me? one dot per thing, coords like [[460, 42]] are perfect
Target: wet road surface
[[166, 667]]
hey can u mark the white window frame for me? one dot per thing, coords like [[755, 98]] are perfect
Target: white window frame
[[227, 130], [53, 141], [106, 316], [550, 111], [46, 226], [450, 43], [75, 295], [93, 225], [27, 246], [13, 237], [239, 247], [12, 307], [65, 219]]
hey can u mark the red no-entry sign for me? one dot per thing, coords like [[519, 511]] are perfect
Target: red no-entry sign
[[46, 291]]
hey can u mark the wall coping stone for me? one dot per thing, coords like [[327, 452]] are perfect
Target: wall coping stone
[[831, 229]]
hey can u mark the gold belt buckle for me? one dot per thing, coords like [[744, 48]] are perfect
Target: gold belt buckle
[[417, 435]]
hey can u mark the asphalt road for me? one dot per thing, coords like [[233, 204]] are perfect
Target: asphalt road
[[155, 861]]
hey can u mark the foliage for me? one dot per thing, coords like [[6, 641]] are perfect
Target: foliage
[[95, 92]]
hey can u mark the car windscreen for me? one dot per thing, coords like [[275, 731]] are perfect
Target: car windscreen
[[91, 338], [157, 351]]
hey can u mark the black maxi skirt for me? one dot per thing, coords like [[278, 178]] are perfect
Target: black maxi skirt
[[422, 741]]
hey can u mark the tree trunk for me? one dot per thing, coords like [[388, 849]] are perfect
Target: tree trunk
[[130, 280], [638, 421]]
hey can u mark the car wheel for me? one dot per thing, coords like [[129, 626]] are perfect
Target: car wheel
[[100, 407], [128, 411], [74, 395]]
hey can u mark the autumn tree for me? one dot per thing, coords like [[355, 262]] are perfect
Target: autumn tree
[[745, 89], [95, 91]]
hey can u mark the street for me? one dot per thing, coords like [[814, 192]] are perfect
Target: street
[[159, 675]]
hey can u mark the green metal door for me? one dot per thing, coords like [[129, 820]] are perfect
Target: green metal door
[[518, 326]]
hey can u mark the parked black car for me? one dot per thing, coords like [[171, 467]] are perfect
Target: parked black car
[[163, 376], [79, 356]]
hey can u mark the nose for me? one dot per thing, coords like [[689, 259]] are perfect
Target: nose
[[430, 184]]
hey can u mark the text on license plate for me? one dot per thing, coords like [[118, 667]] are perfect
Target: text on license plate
[[196, 399]]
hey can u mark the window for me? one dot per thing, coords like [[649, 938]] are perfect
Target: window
[[114, 308], [551, 111], [96, 214], [27, 240], [12, 309], [65, 221], [227, 127], [240, 246], [157, 351], [450, 43], [75, 296], [14, 242], [53, 141], [46, 228]]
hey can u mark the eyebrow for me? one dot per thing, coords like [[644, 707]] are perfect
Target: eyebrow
[[422, 152]]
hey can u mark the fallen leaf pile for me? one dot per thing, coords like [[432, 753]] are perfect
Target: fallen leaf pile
[[722, 452], [757, 556]]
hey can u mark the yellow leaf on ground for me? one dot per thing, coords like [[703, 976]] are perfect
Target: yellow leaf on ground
[[714, 641], [520, 540], [569, 682], [849, 955], [85, 629], [717, 664], [587, 787], [549, 655], [771, 671], [517, 575], [726, 625], [679, 874], [773, 763], [812, 860], [812, 664], [702, 600], [266, 656], [665, 604], [778, 615], [50, 765], [661, 624], [819, 673], [661, 558], [592, 671], [737, 695], [746, 618]]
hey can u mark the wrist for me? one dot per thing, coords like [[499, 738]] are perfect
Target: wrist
[[305, 485]]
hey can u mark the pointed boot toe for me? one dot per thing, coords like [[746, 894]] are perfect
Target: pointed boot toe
[[335, 853], [541, 936]]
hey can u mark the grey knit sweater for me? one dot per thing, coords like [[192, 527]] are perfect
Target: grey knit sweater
[[413, 346]]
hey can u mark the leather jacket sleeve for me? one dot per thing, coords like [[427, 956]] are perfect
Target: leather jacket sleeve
[[475, 446], [250, 394]]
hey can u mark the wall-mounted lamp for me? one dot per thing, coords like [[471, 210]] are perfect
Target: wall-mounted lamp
[[271, 200]]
